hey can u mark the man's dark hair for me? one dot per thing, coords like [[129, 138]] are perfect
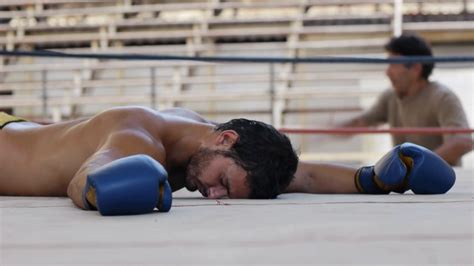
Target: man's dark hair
[[266, 154], [410, 44]]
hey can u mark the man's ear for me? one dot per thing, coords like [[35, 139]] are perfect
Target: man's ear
[[227, 138]]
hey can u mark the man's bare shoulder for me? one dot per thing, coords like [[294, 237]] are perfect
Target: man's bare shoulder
[[138, 116], [130, 130], [126, 116], [186, 113], [126, 111]]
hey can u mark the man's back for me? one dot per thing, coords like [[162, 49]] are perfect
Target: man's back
[[41, 160]]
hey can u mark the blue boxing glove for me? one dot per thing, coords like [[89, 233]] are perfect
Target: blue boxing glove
[[407, 166], [131, 185]]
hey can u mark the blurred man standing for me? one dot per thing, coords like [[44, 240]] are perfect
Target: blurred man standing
[[415, 101]]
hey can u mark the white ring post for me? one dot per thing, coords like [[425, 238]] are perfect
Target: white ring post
[[397, 17]]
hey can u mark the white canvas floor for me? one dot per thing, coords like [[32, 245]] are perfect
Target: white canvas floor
[[291, 230]]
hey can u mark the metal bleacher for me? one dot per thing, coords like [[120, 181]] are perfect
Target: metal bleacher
[[283, 94]]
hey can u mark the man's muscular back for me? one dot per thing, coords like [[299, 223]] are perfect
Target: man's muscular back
[[41, 160]]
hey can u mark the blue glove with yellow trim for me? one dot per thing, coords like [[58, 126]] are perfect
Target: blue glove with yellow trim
[[131, 185], [407, 166]]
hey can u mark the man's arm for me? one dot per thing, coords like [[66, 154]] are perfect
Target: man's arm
[[454, 148], [78, 183], [406, 167], [354, 122], [376, 115], [312, 177], [450, 113], [118, 145]]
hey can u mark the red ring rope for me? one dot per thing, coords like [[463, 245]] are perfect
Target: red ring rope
[[394, 131]]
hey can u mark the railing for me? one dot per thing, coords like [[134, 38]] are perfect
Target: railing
[[56, 87], [104, 26], [278, 93]]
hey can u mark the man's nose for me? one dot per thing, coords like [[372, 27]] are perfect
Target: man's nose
[[216, 192]]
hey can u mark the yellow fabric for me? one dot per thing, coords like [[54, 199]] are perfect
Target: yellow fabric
[[6, 119], [91, 197]]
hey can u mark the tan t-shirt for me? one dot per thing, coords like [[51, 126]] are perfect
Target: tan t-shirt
[[434, 106]]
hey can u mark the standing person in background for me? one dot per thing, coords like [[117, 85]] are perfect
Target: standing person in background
[[415, 101]]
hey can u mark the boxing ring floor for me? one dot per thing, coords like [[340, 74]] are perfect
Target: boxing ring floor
[[292, 230]]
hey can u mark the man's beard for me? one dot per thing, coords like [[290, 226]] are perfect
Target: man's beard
[[198, 162]]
